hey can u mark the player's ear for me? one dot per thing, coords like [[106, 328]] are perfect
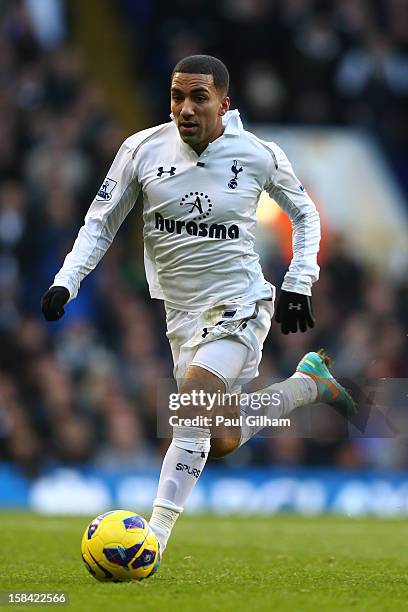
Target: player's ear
[[224, 105]]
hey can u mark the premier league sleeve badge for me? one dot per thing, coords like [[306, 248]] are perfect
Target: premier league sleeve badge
[[105, 192]]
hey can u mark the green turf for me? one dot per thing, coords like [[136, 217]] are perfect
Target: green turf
[[212, 563]]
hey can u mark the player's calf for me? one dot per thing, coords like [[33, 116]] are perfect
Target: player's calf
[[220, 447]]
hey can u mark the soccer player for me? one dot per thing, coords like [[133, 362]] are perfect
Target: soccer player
[[201, 175]]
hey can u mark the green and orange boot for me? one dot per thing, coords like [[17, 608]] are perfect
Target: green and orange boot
[[316, 365]]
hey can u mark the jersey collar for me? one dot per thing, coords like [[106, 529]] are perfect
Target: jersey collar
[[232, 127], [232, 123]]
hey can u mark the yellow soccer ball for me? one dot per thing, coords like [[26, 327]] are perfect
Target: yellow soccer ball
[[119, 546]]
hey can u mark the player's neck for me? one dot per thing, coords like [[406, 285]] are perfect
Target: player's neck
[[201, 146]]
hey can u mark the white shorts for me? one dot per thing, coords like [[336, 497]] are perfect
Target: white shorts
[[225, 340]]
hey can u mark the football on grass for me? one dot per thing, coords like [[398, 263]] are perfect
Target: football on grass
[[119, 546]]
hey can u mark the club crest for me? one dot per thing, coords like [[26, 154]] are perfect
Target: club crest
[[233, 182]]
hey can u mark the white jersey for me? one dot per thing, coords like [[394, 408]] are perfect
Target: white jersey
[[199, 217]]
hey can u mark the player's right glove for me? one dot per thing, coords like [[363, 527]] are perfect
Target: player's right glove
[[294, 310], [53, 301]]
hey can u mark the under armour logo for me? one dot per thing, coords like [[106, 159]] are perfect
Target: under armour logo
[[161, 171], [294, 306], [235, 170]]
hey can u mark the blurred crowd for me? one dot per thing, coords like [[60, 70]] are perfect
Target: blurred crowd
[[84, 389], [293, 61]]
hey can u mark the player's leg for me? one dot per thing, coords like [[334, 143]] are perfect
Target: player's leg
[[236, 359], [186, 456], [167, 506], [190, 446], [215, 368], [231, 360], [226, 359], [312, 382]]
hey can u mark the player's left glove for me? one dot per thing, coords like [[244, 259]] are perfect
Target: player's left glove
[[294, 311]]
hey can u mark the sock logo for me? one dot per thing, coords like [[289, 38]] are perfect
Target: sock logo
[[187, 468]]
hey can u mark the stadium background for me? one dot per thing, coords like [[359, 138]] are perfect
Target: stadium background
[[77, 398]]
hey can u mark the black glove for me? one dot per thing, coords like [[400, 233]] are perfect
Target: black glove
[[52, 303], [294, 309]]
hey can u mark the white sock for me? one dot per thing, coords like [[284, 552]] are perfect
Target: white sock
[[298, 390], [182, 466], [162, 522]]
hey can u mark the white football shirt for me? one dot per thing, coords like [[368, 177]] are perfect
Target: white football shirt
[[199, 216]]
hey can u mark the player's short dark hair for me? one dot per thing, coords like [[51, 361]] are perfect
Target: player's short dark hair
[[205, 64]]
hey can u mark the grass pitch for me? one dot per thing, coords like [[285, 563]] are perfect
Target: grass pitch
[[283, 563]]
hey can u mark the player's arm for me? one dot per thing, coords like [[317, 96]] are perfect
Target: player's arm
[[294, 307], [112, 203]]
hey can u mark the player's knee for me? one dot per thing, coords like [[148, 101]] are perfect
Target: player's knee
[[202, 386], [200, 379], [223, 446]]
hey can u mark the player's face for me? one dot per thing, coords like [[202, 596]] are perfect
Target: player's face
[[197, 108]]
